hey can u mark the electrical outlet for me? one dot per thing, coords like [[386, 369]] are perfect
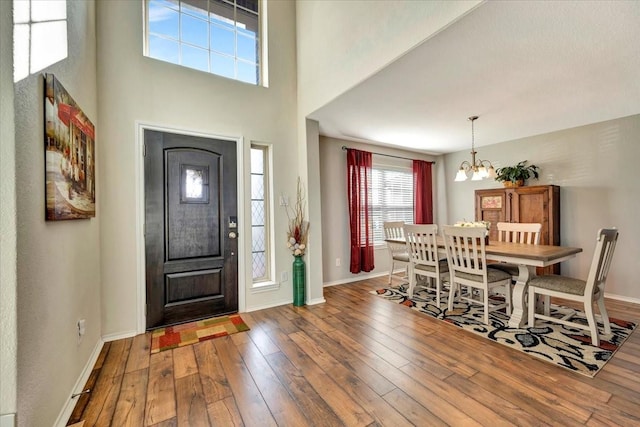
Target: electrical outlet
[[338, 262], [284, 276]]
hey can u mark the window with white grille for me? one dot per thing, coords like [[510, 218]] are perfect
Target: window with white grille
[[216, 36], [392, 196]]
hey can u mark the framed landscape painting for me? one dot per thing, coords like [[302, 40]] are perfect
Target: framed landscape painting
[[69, 138]]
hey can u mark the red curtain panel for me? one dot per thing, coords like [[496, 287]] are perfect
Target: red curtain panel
[[422, 192], [359, 197]]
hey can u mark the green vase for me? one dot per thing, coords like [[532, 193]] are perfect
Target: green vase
[[298, 281]]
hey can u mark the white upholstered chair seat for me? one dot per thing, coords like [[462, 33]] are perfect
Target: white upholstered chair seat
[[493, 275], [567, 285], [401, 257], [444, 267], [507, 267]]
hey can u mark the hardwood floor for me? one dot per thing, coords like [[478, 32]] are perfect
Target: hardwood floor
[[356, 360]]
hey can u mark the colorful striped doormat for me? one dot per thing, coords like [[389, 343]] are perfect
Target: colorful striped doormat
[[190, 333]]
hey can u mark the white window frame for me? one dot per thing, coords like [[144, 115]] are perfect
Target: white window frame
[[395, 166], [268, 281], [261, 45], [40, 36]]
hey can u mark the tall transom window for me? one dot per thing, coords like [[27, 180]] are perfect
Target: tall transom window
[[217, 36]]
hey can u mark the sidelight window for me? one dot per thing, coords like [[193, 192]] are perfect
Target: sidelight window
[[261, 215]]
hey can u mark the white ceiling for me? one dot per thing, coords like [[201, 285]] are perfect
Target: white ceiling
[[526, 68]]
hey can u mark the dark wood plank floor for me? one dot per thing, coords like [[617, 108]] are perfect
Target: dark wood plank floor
[[356, 360]]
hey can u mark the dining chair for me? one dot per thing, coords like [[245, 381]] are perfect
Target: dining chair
[[397, 251], [424, 261], [587, 292], [521, 232], [467, 259]]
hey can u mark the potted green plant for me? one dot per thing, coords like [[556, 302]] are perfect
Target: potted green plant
[[515, 176]]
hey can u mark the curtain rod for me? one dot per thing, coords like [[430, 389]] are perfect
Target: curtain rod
[[344, 147]]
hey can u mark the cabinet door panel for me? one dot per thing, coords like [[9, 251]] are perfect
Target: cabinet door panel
[[533, 206], [491, 205]]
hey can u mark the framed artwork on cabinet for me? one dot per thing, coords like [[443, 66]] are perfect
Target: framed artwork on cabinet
[[69, 141], [491, 202]]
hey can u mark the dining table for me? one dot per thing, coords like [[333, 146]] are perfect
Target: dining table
[[527, 257]]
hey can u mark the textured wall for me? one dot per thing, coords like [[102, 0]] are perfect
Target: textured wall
[[593, 165], [8, 327], [365, 36], [58, 265]]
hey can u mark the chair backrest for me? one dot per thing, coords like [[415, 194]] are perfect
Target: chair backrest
[[394, 230], [422, 246], [605, 245], [519, 232], [465, 248]]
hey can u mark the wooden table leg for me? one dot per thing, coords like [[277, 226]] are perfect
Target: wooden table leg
[[518, 318]]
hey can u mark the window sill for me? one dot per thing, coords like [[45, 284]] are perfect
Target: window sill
[[258, 288]]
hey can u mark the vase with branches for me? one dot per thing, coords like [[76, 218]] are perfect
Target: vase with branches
[[297, 236], [298, 227]]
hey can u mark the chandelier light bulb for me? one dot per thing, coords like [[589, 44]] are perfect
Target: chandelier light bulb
[[461, 175], [478, 167]]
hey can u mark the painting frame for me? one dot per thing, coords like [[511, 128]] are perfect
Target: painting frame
[[69, 144]]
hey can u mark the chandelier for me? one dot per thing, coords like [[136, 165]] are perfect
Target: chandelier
[[481, 168]]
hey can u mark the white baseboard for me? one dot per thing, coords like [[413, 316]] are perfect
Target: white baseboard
[[262, 307], [119, 336], [64, 415], [357, 278], [8, 420], [278, 304], [622, 298]]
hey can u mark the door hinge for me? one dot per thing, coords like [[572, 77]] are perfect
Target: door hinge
[[144, 229], [144, 150]]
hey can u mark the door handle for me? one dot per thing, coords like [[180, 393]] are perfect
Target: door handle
[[233, 234]]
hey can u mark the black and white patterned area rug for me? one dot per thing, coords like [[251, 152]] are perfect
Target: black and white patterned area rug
[[561, 345]]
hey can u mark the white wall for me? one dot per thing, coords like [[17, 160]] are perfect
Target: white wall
[[594, 166], [58, 265], [8, 279], [341, 43], [335, 210], [135, 88]]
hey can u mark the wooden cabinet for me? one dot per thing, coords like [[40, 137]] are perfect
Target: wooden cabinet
[[540, 203]]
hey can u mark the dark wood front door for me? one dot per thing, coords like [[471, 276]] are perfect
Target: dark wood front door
[[190, 228]]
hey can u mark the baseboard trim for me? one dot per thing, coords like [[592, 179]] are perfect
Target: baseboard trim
[[119, 336], [262, 307], [316, 301], [622, 298], [357, 278], [8, 420], [64, 415]]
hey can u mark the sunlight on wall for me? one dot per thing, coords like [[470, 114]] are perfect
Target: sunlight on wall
[[39, 35]]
